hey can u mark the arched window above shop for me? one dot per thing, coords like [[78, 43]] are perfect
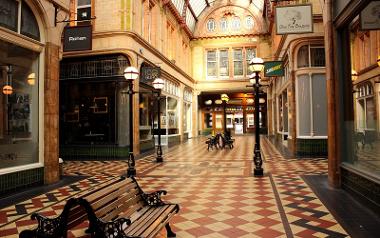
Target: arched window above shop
[[29, 25], [24, 23], [311, 56]]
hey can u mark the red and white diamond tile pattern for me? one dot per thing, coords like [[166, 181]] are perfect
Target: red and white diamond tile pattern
[[215, 189]]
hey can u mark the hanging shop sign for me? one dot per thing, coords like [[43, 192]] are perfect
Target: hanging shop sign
[[77, 38], [294, 19], [370, 16], [273, 69], [149, 74]]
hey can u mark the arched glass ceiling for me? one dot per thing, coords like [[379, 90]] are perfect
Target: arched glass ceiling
[[196, 7]]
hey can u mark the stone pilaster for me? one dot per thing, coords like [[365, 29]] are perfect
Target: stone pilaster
[[51, 113]]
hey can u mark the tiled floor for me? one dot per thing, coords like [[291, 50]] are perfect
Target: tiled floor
[[216, 191]]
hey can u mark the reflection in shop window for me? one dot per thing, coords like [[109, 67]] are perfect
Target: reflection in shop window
[[19, 109]]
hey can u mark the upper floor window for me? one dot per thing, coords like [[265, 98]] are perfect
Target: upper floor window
[[238, 62], [24, 23], [249, 23], [211, 25], [250, 53], [223, 64], [218, 62], [311, 56], [83, 12], [223, 24], [211, 63]]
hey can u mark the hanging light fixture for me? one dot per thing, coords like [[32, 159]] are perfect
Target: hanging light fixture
[[7, 90], [31, 79], [354, 75], [378, 60]]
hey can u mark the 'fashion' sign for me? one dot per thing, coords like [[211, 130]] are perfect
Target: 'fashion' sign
[[77, 38]]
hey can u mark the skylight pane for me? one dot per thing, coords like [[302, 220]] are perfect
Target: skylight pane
[[178, 5], [197, 6], [190, 20]]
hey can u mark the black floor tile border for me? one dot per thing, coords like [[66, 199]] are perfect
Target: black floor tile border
[[280, 207], [352, 214], [28, 193]]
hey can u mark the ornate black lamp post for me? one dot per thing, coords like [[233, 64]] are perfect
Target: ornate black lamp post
[[225, 99], [159, 85], [130, 74], [257, 65]]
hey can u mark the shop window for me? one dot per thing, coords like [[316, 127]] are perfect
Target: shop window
[[25, 21], [146, 108], [19, 107], [312, 105], [83, 12], [223, 63], [211, 63], [87, 113], [238, 62], [366, 111]]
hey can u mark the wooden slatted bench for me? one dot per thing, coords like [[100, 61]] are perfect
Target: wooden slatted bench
[[118, 208]]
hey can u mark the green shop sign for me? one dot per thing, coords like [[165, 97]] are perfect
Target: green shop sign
[[273, 69]]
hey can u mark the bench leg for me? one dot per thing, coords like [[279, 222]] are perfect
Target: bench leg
[[169, 231]]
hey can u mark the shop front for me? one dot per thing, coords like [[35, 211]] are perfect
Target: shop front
[[354, 116], [169, 114], [93, 108], [239, 113], [28, 92]]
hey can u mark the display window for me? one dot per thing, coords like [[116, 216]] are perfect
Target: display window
[[146, 103], [361, 121], [19, 106]]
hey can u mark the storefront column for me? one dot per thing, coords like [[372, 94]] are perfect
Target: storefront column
[[333, 161], [196, 116], [181, 112], [136, 117], [292, 143], [51, 112]]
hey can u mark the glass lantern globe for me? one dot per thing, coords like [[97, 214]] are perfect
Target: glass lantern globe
[[158, 83], [131, 73]]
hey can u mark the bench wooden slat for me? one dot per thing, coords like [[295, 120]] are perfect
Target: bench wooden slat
[[97, 187], [111, 196], [105, 202], [116, 207], [102, 192], [157, 224], [143, 221]]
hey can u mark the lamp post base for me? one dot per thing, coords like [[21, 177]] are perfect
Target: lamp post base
[[258, 172], [131, 172], [159, 158]]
